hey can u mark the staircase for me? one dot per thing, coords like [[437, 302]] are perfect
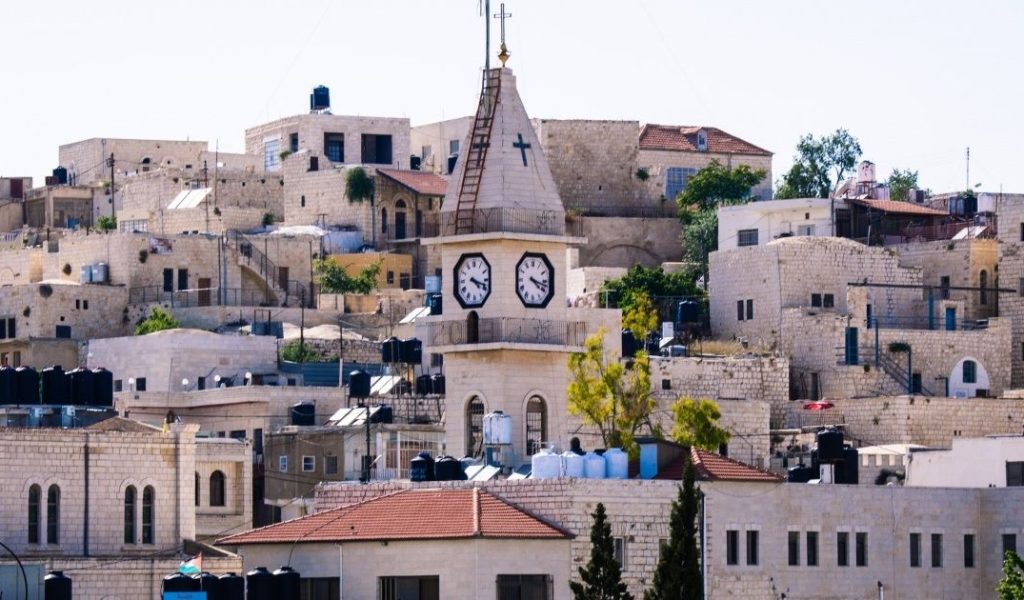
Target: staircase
[[279, 293], [896, 373], [479, 141]]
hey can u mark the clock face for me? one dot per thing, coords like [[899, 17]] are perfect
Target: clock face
[[535, 280], [472, 280]]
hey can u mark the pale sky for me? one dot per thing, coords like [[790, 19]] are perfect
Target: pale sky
[[916, 81]]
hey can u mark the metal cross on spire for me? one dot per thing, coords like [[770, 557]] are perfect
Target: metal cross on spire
[[502, 15]]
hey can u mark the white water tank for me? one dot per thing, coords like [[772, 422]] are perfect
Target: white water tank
[[99, 273], [572, 464], [617, 463], [497, 429], [546, 465], [86, 274], [593, 466]]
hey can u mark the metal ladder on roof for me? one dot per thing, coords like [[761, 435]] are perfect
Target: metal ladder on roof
[[479, 141]]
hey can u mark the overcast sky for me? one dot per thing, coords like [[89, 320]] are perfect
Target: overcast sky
[[916, 82]]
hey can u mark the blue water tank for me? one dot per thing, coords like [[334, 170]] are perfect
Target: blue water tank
[[304, 414], [411, 351], [688, 311], [830, 445], [230, 587], [8, 385], [61, 174], [179, 582], [27, 382], [434, 301], [320, 99], [391, 350], [421, 468], [424, 385], [438, 384], [628, 344], [448, 468]]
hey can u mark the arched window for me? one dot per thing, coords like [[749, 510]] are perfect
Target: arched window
[[53, 515], [400, 220], [34, 494], [970, 371], [129, 515], [147, 515], [983, 283], [217, 489], [474, 426], [145, 164], [383, 220], [198, 479], [472, 328], [536, 424]]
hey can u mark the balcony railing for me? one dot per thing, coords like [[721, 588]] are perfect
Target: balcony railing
[[508, 330], [506, 220], [199, 297]]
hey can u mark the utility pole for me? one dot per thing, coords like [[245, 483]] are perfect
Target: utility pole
[[206, 201], [968, 186], [110, 163]]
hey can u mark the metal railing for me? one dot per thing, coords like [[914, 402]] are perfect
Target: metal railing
[[507, 220], [659, 210], [881, 359], [507, 329], [214, 296], [936, 323], [259, 262]]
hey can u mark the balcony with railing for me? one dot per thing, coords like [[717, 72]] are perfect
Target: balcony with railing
[[507, 330], [505, 220], [214, 296]]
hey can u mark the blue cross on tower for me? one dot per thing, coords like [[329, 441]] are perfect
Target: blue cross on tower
[[522, 147]]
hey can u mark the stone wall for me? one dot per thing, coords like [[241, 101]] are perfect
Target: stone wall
[[438, 138], [623, 242], [233, 459], [1011, 305], [38, 309], [962, 261], [318, 197], [86, 158]]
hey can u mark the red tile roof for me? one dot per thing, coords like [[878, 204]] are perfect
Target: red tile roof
[[421, 182], [715, 467], [684, 139], [899, 208], [416, 514]]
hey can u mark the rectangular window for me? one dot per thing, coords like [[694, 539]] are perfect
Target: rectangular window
[[1020, 287], [862, 549], [201, 383], [936, 550], [732, 547], [666, 384], [293, 142], [1009, 543], [970, 372], [1014, 474], [1022, 232], [620, 552], [237, 434], [843, 548], [915, 550], [334, 147], [746, 237], [794, 548], [319, 588], [62, 332], [944, 287], [376, 149], [308, 464], [969, 551], [828, 301], [752, 549], [330, 465], [675, 181], [399, 588], [140, 384], [118, 385], [523, 587], [168, 280], [3, 329], [812, 548], [282, 463], [271, 154], [453, 146], [391, 277], [805, 229], [750, 309], [182, 279], [739, 310], [816, 300]]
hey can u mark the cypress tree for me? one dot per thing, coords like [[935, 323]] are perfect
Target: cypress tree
[[678, 575], [601, 579]]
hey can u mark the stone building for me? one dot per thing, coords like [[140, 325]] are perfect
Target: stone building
[[409, 204], [757, 223], [86, 160], [438, 145], [65, 206]]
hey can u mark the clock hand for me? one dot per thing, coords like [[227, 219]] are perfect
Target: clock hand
[[543, 286], [478, 284]]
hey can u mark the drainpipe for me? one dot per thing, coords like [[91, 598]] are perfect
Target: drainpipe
[[85, 519], [703, 546], [341, 572]]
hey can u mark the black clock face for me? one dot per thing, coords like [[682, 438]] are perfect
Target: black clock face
[[472, 280], [535, 280]]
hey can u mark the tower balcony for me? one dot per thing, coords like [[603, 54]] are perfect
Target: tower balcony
[[506, 332], [505, 220]]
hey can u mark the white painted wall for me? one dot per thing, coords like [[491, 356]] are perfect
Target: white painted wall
[[773, 218], [959, 388], [972, 462]]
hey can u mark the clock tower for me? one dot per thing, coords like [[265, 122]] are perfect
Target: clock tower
[[505, 331]]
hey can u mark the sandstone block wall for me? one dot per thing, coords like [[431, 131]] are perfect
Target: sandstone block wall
[[85, 159], [962, 261], [623, 242]]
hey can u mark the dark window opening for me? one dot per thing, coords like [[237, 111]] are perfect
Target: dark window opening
[[936, 550], [129, 515], [168, 280], [182, 279], [970, 372], [944, 287], [969, 551], [812, 548], [739, 310], [816, 300], [752, 548], [334, 147], [34, 494], [915, 550], [794, 548], [53, 515], [828, 301], [862, 549], [293, 142], [217, 489], [1014, 474], [376, 149], [732, 547], [523, 587], [750, 309], [842, 548], [148, 529]]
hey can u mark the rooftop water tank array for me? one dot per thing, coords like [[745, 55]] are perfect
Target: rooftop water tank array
[[546, 465], [448, 468], [497, 429], [617, 463], [572, 464], [421, 467], [285, 584], [594, 466], [258, 584]]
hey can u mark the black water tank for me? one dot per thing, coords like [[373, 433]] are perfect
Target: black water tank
[[230, 587], [304, 413], [799, 474], [56, 586], [384, 414], [688, 311], [628, 343], [27, 382], [415, 162], [320, 99], [830, 445], [434, 302], [391, 350], [80, 387], [61, 174], [411, 351], [359, 384], [437, 384], [207, 582], [285, 584], [179, 582], [54, 385], [8, 385], [424, 385], [258, 584], [850, 471], [421, 467], [102, 387], [653, 344], [448, 468]]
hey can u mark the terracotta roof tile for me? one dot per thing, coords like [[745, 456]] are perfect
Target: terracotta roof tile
[[684, 139], [421, 182], [896, 207], [715, 467], [409, 515]]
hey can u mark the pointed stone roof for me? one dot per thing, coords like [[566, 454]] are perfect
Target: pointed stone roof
[[516, 174]]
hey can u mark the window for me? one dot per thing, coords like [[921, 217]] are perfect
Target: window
[[147, 515], [376, 149], [168, 280], [862, 548], [805, 229], [675, 181], [666, 384], [425, 152], [140, 384], [129, 515], [794, 548], [319, 588], [750, 309], [620, 551], [739, 310], [1022, 232], [118, 385], [970, 372], [453, 148], [944, 287], [271, 154], [474, 426], [843, 548], [62, 332], [217, 489], [915, 550], [969, 550], [198, 479], [536, 424], [523, 587], [746, 237], [383, 220], [816, 300], [7, 328], [732, 547], [1014, 474], [308, 464], [828, 301], [752, 549], [334, 147], [237, 434], [983, 283], [34, 494], [330, 465], [293, 142], [182, 279], [302, 202], [1009, 543], [391, 277], [812, 548], [282, 463], [702, 141], [936, 550], [53, 515], [400, 588]]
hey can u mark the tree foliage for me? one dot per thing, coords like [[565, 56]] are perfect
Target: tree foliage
[[601, 579], [695, 423], [1011, 586], [900, 184], [334, 279], [654, 282], [815, 163], [642, 316], [359, 185], [678, 575], [296, 351], [106, 223], [611, 396], [717, 183], [158, 320], [700, 239]]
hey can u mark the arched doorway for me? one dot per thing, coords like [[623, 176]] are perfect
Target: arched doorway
[[400, 220], [536, 424], [475, 426]]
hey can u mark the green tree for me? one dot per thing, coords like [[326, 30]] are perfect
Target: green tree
[[700, 239], [601, 579], [654, 282], [818, 160], [900, 184], [105, 223], [718, 183], [296, 351], [613, 396], [158, 320], [695, 423], [678, 575], [798, 182], [1011, 586], [359, 187], [334, 279], [642, 317]]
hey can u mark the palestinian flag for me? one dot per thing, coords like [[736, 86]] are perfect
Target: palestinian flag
[[192, 566]]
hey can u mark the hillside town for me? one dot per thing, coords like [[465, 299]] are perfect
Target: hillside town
[[503, 355]]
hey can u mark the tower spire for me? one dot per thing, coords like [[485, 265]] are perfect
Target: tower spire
[[503, 53]]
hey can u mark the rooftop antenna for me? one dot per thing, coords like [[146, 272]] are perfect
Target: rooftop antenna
[[484, 11], [968, 154]]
